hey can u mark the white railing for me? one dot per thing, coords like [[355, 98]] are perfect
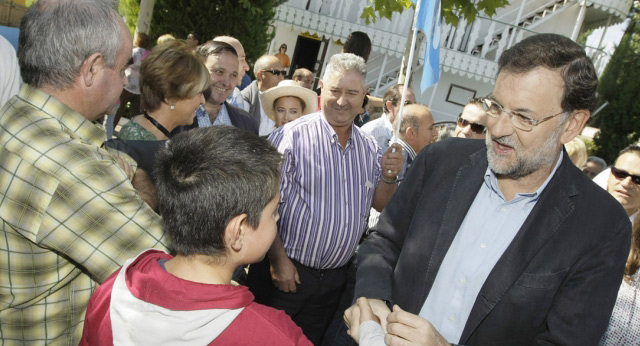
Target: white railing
[[473, 50], [336, 28], [619, 8]]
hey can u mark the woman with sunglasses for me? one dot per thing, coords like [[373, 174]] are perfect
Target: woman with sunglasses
[[472, 122]]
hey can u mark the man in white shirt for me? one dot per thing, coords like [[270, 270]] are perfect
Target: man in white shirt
[[382, 128]]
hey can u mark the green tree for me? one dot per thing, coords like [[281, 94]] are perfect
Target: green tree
[[452, 10], [129, 10], [619, 121], [247, 20]]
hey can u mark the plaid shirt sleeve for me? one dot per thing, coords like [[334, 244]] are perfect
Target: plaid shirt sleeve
[[69, 217]]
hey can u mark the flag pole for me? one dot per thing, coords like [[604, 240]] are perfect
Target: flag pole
[[405, 87]]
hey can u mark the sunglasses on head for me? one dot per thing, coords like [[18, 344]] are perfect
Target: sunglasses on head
[[477, 128], [622, 175], [276, 72]]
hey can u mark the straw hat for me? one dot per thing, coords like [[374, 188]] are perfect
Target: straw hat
[[288, 87]]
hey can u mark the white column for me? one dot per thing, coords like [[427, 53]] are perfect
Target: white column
[[144, 16], [576, 28]]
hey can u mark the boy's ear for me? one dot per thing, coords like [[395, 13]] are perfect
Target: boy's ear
[[234, 233]]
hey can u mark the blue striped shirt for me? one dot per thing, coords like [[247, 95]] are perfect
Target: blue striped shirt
[[326, 191]]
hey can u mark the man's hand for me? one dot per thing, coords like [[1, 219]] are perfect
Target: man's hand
[[362, 312], [404, 329], [392, 162], [353, 316], [284, 274], [128, 170]]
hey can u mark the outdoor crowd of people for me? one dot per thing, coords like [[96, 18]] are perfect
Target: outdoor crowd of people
[[274, 214]]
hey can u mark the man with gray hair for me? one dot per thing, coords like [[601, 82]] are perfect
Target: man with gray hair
[[69, 215], [331, 176], [269, 72]]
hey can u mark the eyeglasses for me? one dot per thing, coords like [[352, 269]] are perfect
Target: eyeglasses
[[276, 72], [476, 128], [622, 175], [524, 123]]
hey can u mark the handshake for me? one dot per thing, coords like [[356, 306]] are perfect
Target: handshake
[[371, 323]]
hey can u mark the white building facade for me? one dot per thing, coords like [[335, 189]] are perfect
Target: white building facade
[[314, 30]]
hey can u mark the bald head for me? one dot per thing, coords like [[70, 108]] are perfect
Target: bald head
[[242, 56], [268, 71], [417, 126]]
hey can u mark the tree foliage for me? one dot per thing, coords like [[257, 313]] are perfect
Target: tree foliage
[[452, 10], [619, 121], [246, 20]]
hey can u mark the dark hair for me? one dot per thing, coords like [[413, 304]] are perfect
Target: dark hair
[[141, 40], [597, 160], [629, 149], [215, 48], [207, 176], [359, 44], [555, 51]]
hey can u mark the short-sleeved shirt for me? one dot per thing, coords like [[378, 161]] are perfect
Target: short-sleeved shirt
[[69, 217]]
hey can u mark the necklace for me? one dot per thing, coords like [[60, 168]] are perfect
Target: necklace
[[159, 126]]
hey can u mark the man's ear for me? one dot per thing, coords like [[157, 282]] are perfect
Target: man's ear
[[409, 132], [389, 105], [90, 68], [234, 233], [574, 125]]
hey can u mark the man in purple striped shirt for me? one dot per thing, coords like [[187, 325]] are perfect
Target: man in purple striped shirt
[[330, 180]]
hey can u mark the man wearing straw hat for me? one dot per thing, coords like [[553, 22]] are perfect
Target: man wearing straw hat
[[502, 243], [331, 176]]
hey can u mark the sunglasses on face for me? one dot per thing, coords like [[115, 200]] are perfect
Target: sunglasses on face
[[622, 175], [476, 128], [276, 72]]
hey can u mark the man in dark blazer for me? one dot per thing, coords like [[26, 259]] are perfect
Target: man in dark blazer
[[504, 242], [221, 59]]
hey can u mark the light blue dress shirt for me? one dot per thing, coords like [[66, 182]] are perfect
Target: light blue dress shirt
[[487, 230], [203, 117]]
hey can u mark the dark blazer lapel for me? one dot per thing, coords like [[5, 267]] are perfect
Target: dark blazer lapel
[[464, 189], [542, 223]]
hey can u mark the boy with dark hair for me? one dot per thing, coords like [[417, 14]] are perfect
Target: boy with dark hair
[[218, 192]]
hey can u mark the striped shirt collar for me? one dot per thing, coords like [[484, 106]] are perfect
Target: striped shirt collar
[[408, 148], [330, 131]]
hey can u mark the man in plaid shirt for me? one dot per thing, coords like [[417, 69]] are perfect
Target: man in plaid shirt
[[69, 213]]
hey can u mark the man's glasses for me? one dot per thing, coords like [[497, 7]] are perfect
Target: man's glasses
[[476, 128], [622, 175], [276, 72], [406, 102], [524, 123]]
